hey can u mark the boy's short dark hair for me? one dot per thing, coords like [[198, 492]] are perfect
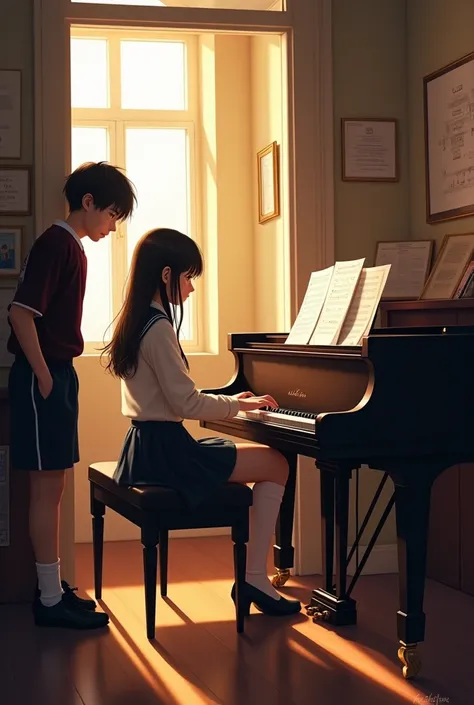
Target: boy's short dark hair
[[108, 186]]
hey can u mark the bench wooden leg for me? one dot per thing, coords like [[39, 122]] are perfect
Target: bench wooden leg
[[240, 536], [97, 511], [163, 562], [150, 537]]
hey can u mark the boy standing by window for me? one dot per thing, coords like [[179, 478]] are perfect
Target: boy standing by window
[[45, 318]]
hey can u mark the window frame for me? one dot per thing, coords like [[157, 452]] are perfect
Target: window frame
[[117, 120]]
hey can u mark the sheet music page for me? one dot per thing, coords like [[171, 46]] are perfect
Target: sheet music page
[[364, 305], [341, 290], [311, 307]]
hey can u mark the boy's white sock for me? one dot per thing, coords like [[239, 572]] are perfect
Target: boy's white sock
[[267, 498], [49, 583]]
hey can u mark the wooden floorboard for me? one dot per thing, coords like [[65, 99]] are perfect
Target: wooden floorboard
[[198, 659]]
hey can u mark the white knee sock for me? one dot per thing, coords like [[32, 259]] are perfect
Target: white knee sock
[[267, 498], [49, 582]]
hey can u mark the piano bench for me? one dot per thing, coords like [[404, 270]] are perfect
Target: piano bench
[[157, 510]]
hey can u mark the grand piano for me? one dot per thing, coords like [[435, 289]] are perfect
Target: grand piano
[[400, 403]]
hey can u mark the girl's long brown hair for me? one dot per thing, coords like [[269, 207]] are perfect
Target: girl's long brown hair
[[156, 250]]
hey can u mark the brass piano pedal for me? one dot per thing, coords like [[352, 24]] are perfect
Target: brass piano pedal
[[410, 659], [280, 577]]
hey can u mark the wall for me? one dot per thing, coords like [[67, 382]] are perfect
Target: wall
[[369, 50], [438, 33], [269, 239], [16, 52]]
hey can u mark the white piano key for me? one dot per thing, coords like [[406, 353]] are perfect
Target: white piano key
[[279, 419]]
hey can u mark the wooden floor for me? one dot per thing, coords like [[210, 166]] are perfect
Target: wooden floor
[[198, 657]]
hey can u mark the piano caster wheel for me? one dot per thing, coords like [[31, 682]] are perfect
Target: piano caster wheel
[[410, 658], [317, 613], [280, 577]]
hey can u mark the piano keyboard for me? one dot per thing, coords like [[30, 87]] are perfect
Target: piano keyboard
[[300, 420]]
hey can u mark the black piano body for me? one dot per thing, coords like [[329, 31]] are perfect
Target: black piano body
[[402, 404]]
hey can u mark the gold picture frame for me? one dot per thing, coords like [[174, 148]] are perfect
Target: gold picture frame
[[449, 268], [268, 177]]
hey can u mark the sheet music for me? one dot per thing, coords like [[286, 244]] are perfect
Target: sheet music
[[341, 290], [311, 307], [364, 305]]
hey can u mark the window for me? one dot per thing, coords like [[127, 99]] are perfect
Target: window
[[215, 4], [134, 104]]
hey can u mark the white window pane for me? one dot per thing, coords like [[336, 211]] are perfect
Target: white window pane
[[92, 144], [215, 4], [89, 73], [153, 75], [157, 163], [186, 332]]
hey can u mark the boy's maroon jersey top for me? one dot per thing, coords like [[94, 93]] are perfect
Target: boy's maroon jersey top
[[52, 284]]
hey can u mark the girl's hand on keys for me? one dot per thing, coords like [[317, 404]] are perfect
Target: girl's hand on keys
[[251, 403]]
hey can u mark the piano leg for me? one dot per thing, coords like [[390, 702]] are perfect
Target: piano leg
[[283, 551], [412, 503], [331, 602]]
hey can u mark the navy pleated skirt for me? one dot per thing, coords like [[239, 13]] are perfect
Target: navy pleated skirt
[[164, 453]]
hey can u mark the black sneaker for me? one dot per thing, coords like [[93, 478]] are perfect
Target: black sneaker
[[73, 601], [70, 599], [60, 616]]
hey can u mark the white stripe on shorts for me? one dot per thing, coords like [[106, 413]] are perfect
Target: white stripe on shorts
[[35, 411]]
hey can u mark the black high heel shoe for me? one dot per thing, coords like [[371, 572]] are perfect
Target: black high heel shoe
[[265, 603]]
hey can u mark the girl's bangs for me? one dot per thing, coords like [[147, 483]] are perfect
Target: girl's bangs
[[195, 268]]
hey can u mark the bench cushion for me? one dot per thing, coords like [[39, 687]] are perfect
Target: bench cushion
[[154, 498]]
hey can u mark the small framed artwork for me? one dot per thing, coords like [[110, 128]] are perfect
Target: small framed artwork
[[369, 149], [268, 183], [454, 257], [11, 237], [465, 286], [410, 262], [15, 190], [449, 141], [10, 114]]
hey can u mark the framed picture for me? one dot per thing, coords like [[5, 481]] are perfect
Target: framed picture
[[455, 254], [449, 141], [11, 237], [15, 190], [10, 114], [464, 290], [410, 262], [268, 183], [369, 149]]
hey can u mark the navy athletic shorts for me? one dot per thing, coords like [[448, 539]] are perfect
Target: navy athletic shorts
[[43, 431]]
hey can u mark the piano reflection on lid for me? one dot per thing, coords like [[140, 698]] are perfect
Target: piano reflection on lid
[[400, 403]]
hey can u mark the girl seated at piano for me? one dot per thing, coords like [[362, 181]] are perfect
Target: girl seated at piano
[[158, 394]]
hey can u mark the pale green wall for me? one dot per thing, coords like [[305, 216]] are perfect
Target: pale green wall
[[369, 49], [439, 32]]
